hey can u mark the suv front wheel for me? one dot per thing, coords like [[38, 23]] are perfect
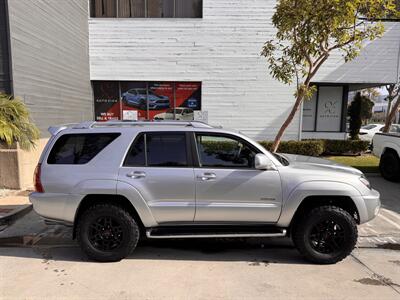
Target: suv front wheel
[[107, 232], [325, 235]]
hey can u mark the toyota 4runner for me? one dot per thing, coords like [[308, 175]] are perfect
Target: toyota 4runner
[[116, 182]]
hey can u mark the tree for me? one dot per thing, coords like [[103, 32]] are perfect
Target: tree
[[15, 123], [359, 110], [393, 93], [307, 33]]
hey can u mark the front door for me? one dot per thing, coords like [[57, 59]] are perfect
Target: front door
[[158, 165], [228, 187]]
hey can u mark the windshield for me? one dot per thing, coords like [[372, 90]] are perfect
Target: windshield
[[281, 159], [177, 110], [368, 127]]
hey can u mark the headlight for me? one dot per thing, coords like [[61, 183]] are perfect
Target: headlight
[[365, 181]]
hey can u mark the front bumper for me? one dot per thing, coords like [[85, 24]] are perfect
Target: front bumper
[[55, 206], [372, 205]]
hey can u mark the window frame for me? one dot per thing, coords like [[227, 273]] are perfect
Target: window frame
[[188, 144], [226, 135], [117, 135], [92, 8]]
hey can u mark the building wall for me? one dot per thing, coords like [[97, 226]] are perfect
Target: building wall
[[5, 84], [222, 50], [50, 61], [50, 69]]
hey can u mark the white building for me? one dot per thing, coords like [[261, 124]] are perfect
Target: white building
[[77, 60]]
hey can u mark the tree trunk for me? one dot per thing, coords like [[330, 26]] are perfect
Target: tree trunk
[[391, 116], [286, 124]]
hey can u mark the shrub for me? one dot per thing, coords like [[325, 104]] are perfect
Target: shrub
[[319, 147], [15, 124], [335, 147], [308, 147]]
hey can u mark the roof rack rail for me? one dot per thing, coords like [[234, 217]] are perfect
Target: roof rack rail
[[195, 124], [92, 124]]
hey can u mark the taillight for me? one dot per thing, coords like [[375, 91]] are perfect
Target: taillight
[[36, 179]]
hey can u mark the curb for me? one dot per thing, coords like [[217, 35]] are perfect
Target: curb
[[15, 215]]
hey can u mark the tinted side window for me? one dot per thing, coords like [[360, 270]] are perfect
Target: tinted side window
[[78, 149], [166, 150], [136, 156], [224, 152]]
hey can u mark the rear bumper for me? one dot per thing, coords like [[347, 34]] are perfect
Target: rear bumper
[[54, 206]]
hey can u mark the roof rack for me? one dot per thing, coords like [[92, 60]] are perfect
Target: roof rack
[[92, 124], [195, 124]]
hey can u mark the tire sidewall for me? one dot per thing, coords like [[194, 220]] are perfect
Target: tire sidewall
[[390, 158], [129, 228], [305, 227]]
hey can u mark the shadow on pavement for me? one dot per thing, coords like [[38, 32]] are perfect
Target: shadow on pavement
[[253, 251]]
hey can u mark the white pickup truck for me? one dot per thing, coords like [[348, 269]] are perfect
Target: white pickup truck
[[386, 146]]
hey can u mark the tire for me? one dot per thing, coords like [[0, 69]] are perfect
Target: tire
[[389, 166], [102, 241], [326, 235]]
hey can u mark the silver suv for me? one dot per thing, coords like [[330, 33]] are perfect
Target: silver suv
[[116, 182]]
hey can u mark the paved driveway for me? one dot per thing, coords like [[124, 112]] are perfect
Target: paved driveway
[[37, 261]]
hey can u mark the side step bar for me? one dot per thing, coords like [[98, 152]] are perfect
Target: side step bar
[[153, 234]]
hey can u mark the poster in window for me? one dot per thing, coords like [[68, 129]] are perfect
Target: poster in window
[[134, 98], [160, 99], [106, 100], [309, 113], [188, 94], [329, 113]]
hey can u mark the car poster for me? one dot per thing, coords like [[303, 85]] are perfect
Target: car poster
[[134, 97], [161, 98], [140, 100], [106, 100]]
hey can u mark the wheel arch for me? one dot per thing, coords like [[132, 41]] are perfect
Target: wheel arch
[[117, 200], [310, 202]]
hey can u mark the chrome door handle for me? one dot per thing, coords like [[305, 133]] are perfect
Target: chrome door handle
[[207, 176], [136, 174]]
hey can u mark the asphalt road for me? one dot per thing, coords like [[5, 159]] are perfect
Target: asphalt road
[[39, 261]]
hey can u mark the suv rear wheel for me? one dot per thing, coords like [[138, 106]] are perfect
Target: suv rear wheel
[[107, 232], [390, 166], [325, 235]]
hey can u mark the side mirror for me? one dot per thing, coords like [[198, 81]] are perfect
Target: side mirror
[[262, 162]]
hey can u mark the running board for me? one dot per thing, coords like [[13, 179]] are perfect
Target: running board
[[155, 233]]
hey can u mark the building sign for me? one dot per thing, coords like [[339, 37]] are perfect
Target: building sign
[[329, 113], [106, 101], [139, 100], [309, 113]]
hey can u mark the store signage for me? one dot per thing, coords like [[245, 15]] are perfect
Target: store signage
[[329, 114], [141, 100], [309, 113]]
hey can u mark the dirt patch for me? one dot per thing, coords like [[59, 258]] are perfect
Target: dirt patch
[[377, 280], [369, 281], [264, 263], [389, 246], [396, 262]]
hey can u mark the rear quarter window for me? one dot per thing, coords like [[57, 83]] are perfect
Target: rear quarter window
[[79, 149]]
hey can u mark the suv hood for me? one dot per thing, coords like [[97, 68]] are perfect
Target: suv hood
[[318, 164]]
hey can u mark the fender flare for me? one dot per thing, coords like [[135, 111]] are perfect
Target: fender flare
[[309, 188]]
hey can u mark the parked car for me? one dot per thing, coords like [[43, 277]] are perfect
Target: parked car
[[139, 98], [115, 182], [386, 146], [179, 113], [367, 132]]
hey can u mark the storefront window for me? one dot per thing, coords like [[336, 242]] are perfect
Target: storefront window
[[146, 8], [138, 100], [324, 111]]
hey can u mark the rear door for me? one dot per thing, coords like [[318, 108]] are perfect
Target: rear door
[[159, 165], [228, 187]]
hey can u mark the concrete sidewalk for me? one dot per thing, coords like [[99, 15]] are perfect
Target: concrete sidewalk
[[13, 207]]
